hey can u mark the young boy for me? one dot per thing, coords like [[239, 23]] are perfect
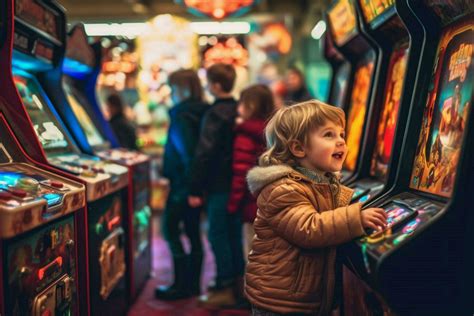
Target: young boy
[[303, 212], [211, 174]]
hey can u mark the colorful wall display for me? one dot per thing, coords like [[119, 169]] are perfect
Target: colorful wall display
[[446, 112], [388, 118]]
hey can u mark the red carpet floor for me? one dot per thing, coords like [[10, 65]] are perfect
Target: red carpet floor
[[146, 304]]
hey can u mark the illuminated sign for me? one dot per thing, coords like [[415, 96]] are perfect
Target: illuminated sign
[[342, 18], [217, 8]]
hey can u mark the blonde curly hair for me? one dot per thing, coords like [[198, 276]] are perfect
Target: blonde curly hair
[[295, 123]]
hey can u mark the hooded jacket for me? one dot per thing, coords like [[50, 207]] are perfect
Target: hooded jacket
[[183, 136], [299, 223]]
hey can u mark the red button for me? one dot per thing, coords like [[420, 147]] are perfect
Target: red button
[[84, 166], [5, 195], [56, 184], [18, 192]]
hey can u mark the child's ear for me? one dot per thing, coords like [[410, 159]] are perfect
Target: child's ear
[[297, 149]]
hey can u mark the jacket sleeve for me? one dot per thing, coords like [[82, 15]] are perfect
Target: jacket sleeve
[[182, 137], [208, 145], [291, 215]]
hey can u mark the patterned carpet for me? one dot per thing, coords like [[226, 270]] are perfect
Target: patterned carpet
[[146, 304]]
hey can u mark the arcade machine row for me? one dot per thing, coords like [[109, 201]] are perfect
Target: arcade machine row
[[356, 48], [39, 39], [341, 70], [79, 73], [38, 221], [414, 264]]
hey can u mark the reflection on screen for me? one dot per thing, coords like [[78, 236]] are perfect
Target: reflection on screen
[[372, 9], [45, 123], [446, 113], [356, 120], [93, 136], [388, 118], [340, 85]]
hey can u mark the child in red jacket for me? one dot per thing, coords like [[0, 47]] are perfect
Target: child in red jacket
[[255, 107]]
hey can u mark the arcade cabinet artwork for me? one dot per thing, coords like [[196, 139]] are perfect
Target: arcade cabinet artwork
[[388, 119], [357, 113], [445, 115]]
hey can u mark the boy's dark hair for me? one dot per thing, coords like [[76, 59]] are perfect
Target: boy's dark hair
[[187, 79], [223, 74], [258, 99], [115, 101]]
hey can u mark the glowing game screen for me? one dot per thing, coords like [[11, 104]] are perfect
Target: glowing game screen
[[372, 9], [47, 127], [342, 17], [356, 117], [446, 112], [388, 117], [94, 138]]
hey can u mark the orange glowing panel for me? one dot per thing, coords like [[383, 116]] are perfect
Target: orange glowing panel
[[342, 18], [218, 8], [228, 52], [388, 118], [355, 123]]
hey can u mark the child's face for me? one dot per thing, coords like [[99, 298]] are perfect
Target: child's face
[[327, 148]]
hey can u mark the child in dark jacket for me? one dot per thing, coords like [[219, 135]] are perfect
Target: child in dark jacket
[[255, 106], [183, 136]]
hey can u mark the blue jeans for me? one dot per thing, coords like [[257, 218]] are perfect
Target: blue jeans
[[225, 237]]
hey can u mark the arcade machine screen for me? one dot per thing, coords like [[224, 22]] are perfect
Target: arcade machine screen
[[93, 135], [47, 127], [373, 9], [343, 21], [388, 117], [356, 116], [447, 109]]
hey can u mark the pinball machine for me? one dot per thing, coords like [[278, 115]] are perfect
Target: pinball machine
[[360, 53], [415, 265], [39, 39], [80, 69], [38, 220]]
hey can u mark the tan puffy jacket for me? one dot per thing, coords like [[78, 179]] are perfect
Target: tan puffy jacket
[[299, 223]]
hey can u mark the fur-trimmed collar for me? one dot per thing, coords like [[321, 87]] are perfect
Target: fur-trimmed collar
[[260, 177]]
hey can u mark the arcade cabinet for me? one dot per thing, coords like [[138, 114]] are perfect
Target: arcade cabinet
[[38, 220], [355, 47], [80, 69], [392, 96], [340, 72], [414, 264], [39, 42]]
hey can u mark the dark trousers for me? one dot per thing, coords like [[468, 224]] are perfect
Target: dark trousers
[[178, 211], [225, 237]]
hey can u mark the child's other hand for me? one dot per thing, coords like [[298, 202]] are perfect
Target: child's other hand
[[239, 120], [373, 218]]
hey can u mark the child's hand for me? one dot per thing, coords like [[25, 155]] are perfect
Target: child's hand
[[239, 120], [373, 218]]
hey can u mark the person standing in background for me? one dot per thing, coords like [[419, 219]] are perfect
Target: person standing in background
[[183, 136], [211, 175], [122, 127], [296, 89]]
